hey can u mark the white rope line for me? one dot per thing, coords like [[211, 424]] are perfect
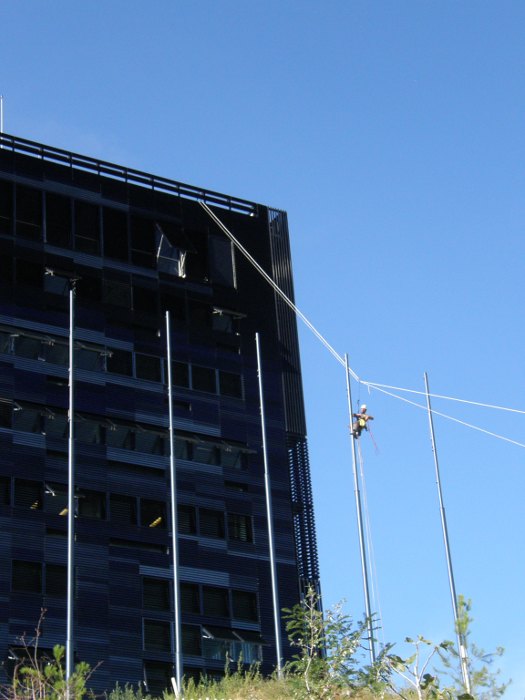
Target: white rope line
[[375, 385], [276, 287], [456, 420], [339, 358]]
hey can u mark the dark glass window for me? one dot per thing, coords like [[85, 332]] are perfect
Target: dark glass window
[[200, 315], [191, 640], [152, 513], [205, 453], [157, 675], [115, 233], [6, 413], [56, 498], [211, 523], [120, 362], [28, 212], [215, 601], [180, 374], [6, 207], [120, 435], [147, 367], [56, 425], [58, 220], [5, 341], [28, 494], [203, 379], [190, 598], [230, 384], [116, 293], [150, 442], [29, 347], [5, 490], [89, 289], [91, 504], [88, 358], [155, 594], [221, 261], [233, 458], [187, 522], [245, 605], [240, 527], [26, 577], [27, 418], [144, 300], [88, 430], [157, 635], [123, 509], [87, 227], [29, 273], [56, 580], [143, 248], [183, 448], [57, 353]]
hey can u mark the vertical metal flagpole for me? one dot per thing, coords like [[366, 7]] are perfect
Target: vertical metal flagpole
[[461, 647], [364, 567], [71, 497], [174, 540], [269, 517]]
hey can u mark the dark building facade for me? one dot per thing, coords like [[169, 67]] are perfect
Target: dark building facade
[[135, 246]]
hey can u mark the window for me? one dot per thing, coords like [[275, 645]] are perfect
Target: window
[[144, 300], [28, 213], [155, 594], [88, 430], [28, 494], [180, 374], [189, 598], [221, 261], [240, 527], [120, 362], [91, 504], [233, 458], [245, 606], [5, 490], [123, 509], [183, 448], [211, 523], [56, 580], [58, 220], [6, 207], [88, 358], [27, 418], [26, 577], [87, 227], [152, 513], [143, 247], [230, 384], [56, 425], [6, 413], [215, 601], [217, 642], [29, 273], [57, 353], [186, 520], [205, 453], [29, 347], [150, 441], [120, 435], [56, 498], [157, 677], [147, 367], [191, 640], [203, 379], [115, 293], [157, 635], [115, 233]]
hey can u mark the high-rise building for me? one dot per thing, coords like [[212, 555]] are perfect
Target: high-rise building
[[134, 246]]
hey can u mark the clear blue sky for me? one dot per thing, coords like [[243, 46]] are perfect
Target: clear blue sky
[[393, 134]]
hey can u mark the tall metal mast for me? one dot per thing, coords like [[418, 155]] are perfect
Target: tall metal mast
[[463, 657], [269, 517], [174, 538], [70, 644], [364, 566]]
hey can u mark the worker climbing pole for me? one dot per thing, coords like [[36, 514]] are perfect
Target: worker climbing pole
[[361, 421]]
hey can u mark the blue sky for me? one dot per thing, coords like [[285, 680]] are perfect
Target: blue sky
[[392, 133]]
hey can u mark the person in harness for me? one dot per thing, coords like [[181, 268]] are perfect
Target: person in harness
[[361, 421]]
